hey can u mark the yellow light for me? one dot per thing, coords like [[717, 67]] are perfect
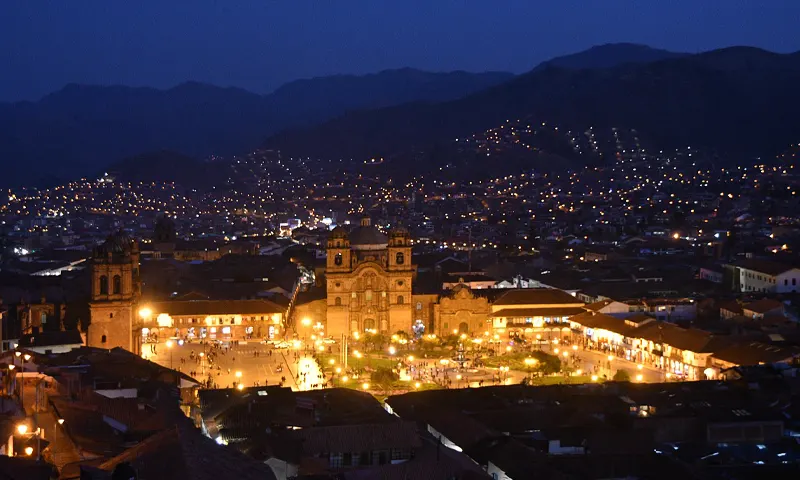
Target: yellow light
[[26, 357], [566, 354], [145, 312], [610, 357], [321, 348], [238, 374], [594, 378], [578, 372], [574, 347], [365, 386], [508, 348], [640, 366], [358, 354], [463, 336], [22, 429], [11, 367], [496, 336], [331, 361], [459, 377], [639, 377], [455, 331], [240, 387], [555, 341], [345, 379], [555, 350], [411, 358], [338, 370], [306, 322], [392, 350], [29, 451], [394, 338], [169, 343], [417, 385], [669, 375]]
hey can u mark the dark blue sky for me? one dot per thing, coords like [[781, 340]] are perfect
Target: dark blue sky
[[261, 44]]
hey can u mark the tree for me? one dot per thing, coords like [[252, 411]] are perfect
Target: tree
[[384, 377], [622, 376]]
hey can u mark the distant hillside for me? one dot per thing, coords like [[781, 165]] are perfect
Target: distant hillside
[[81, 129], [166, 166], [738, 102], [610, 55]]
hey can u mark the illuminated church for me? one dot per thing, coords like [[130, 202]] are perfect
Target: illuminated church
[[369, 278]]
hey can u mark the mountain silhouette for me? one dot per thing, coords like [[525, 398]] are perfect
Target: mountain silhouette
[[80, 129], [739, 102]]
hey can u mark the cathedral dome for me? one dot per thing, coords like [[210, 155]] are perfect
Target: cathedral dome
[[119, 242], [367, 237]]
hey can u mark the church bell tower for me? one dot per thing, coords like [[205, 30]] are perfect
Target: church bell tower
[[115, 292]]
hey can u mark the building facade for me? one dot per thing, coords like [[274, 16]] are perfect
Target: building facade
[[115, 292], [369, 278]]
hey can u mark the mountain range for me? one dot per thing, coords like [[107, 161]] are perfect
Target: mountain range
[[738, 102], [82, 130]]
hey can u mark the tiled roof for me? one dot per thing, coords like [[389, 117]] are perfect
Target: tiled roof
[[605, 322], [597, 306], [185, 453], [358, 438], [763, 306], [765, 266], [536, 296], [690, 339], [538, 312], [754, 353], [216, 307]]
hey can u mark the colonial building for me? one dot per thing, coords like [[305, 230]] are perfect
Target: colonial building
[[225, 320], [115, 292], [368, 279]]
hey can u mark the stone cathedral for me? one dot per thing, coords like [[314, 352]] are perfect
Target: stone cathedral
[[368, 279], [115, 293]]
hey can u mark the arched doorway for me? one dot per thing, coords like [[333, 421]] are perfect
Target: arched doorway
[[369, 324], [463, 327]]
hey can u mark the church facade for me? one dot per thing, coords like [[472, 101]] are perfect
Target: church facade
[[115, 292], [369, 277]]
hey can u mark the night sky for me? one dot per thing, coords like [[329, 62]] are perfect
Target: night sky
[[260, 44]]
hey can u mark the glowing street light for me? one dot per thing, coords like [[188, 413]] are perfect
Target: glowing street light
[[365, 386], [22, 429], [145, 312], [331, 362], [238, 374], [29, 451], [411, 358], [240, 387], [306, 322], [639, 377], [392, 350], [594, 378]]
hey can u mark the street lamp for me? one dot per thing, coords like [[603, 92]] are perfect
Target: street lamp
[[170, 343], [22, 429], [29, 451], [392, 350], [145, 313]]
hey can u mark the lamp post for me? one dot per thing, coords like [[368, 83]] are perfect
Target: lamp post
[[23, 359], [169, 347], [55, 435]]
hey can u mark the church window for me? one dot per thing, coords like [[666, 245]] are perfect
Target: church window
[[419, 305], [400, 258], [117, 285], [400, 300], [337, 259], [337, 301], [103, 285], [103, 339], [400, 283]]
